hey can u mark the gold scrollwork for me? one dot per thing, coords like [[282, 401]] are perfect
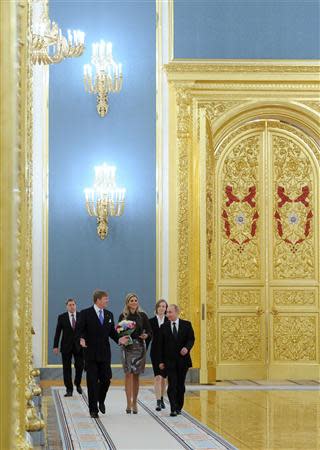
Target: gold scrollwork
[[294, 338], [241, 338], [294, 297], [240, 297], [183, 99]]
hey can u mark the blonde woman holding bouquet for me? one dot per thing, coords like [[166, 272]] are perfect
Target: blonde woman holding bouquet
[[134, 355]]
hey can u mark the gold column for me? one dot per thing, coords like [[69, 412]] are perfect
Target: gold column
[[16, 224]]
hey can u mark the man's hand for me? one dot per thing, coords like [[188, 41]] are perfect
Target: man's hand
[[183, 351], [83, 343], [123, 340], [56, 350], [161, 366]]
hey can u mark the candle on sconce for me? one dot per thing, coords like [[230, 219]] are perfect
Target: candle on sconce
[[107, 77]]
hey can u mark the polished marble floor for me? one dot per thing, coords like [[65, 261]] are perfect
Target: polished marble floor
[[249, 419]]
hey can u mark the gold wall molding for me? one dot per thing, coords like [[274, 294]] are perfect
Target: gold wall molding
[[250, 67], [230, 94]]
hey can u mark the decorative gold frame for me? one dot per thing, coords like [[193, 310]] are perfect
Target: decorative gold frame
[[220, 95]]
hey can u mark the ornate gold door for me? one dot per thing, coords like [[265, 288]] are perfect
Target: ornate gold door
[[266, 271]]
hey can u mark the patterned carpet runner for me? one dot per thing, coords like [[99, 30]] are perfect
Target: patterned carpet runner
[[147, 430]]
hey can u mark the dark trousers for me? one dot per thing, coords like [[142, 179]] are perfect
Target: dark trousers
[[176, 386], [67, 371], [98, 382]]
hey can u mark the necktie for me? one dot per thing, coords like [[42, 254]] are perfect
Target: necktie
[[101, 317], [174, 330], [73, 322]]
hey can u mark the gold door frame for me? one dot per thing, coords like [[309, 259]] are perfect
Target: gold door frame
[[218, 96]]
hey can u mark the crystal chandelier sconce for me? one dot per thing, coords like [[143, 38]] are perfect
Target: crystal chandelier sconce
[[105, 198], [49, 46], [107, 77]]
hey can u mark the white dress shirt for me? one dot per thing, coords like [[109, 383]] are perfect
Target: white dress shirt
[[177, 324], [70, 317], [160, 321], [97, 310]]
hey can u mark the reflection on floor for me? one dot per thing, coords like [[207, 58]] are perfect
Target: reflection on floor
[[260, 419], [268, 419]]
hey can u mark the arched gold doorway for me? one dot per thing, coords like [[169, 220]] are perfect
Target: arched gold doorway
[[246, 274], [265, 268]]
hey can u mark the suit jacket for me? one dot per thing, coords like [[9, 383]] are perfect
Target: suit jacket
[[154, 349], [169, 347], [70, 337], [97, 335]]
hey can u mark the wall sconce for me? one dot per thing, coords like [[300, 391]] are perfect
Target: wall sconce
[[108, 76], [105, 199], [49, 46]]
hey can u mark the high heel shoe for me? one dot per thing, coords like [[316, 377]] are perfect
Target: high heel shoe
[[135, 409], [128, 410]]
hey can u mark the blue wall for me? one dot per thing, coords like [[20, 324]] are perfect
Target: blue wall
[[79, 139], [277, 29]]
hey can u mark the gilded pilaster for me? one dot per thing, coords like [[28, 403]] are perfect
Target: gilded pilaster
[[184, 214], [16, 208]]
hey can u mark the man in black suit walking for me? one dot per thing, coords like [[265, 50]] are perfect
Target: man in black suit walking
[[96, 326], [68, 325], [176, 341]]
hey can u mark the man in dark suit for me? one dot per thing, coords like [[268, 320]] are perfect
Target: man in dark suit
[[176, 341], [96, 326], [68, 325]]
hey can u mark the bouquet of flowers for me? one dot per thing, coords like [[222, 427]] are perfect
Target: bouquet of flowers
[[126, 328]]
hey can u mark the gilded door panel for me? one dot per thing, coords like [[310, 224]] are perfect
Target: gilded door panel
[[286, 298], [240, 264], [293, 261], [242, 345], [267, 253], [294, 210], [240, 297], [239, 198]]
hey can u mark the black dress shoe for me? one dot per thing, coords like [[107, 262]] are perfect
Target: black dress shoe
[[94, 415], [79, 389], [158, 407], [102, 408], [173, 414], [68, 394]]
